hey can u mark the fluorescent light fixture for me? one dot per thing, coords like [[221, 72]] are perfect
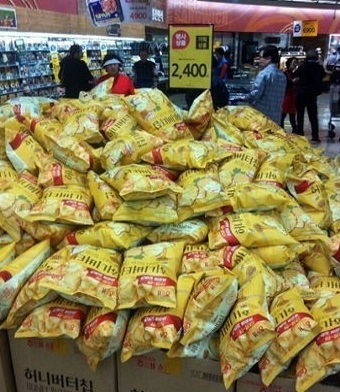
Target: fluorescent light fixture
[[317, 4]]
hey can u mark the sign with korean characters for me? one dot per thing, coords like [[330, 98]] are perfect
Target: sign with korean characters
[[190, 56], [305, 28]]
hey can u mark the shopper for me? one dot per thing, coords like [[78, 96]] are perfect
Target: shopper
[[219, 90], [144, 71], [122, 84], [269, 86], [74, 73], [309, 83], [289, 100]]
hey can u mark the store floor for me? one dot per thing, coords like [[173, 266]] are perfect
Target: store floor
[[331, 147]]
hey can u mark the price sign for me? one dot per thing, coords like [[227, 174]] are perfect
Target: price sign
[[190, 55], [305, 28]]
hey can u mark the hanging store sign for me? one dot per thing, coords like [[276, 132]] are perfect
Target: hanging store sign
[[305, 28], [104, 12], [8, 19], [190, 55]]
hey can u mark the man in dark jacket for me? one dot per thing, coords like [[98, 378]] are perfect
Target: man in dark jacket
[[144, 71], [74, 74], [308, 77]]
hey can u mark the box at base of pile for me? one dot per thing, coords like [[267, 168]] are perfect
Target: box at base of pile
[[251, 382], [154, 372], [56, 365], [7, 383]]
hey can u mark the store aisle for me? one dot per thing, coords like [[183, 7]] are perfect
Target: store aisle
[[330, 147]]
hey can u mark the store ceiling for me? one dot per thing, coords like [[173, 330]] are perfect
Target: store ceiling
[[321, 4]]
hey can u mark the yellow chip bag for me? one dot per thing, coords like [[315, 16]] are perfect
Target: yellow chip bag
[[58, 318], [225, 129], [191, 231], [128, 148], [139, 182], [249, 229], [117, 123], [209, 305], [32, 295], [149, 275], [247, 332], [295, 328], [157, 327], [42, 127], [284, 254], [88, 275], [199, 114], [102, 334], [199, 257], [321, 358], [187, 154], [202, 192], [240, 167], [106, 234], [23, 151], [106, 198], [156, 114], [154, 212], [62, 204], [14, 274]]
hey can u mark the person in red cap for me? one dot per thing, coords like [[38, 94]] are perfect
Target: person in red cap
[[122, 84]]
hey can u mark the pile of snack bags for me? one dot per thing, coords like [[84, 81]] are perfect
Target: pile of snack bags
[[131, 225]]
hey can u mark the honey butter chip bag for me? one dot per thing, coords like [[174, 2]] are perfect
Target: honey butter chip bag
[[271, 142], [199, 257], [14, 274], [252, 196], [191, 231], [240, 167], [83, 123], [128, 148], [154, 212], [88, 275], [324, 286], [23, 151], [249, 229], [106, 234], [68, 204], [252, 265], [299, 224], [140, 182], [58, 318], [209, 304], [117, 123], [225, 129], [332, 187], [156, 114], [106, 199], [102, 334], [149, 275], [310, 192], [274, 169], [295, 328], [53, 172], [187, 154], [74, 153], [317, 257], [157, 327], [202, 192], [321, 357], [199, 114], [247, 118], [40, 128], [247, 332], [31, 294]]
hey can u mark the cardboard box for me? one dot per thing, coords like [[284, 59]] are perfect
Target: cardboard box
[[7, 383], [156, 372], [56, 365], [251, 382]]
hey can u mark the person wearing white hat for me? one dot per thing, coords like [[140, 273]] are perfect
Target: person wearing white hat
[[122, 84]]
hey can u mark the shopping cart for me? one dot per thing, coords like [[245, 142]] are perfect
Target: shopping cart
[[334, 108]]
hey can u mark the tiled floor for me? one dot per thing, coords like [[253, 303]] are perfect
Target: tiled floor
[[331, 146]]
